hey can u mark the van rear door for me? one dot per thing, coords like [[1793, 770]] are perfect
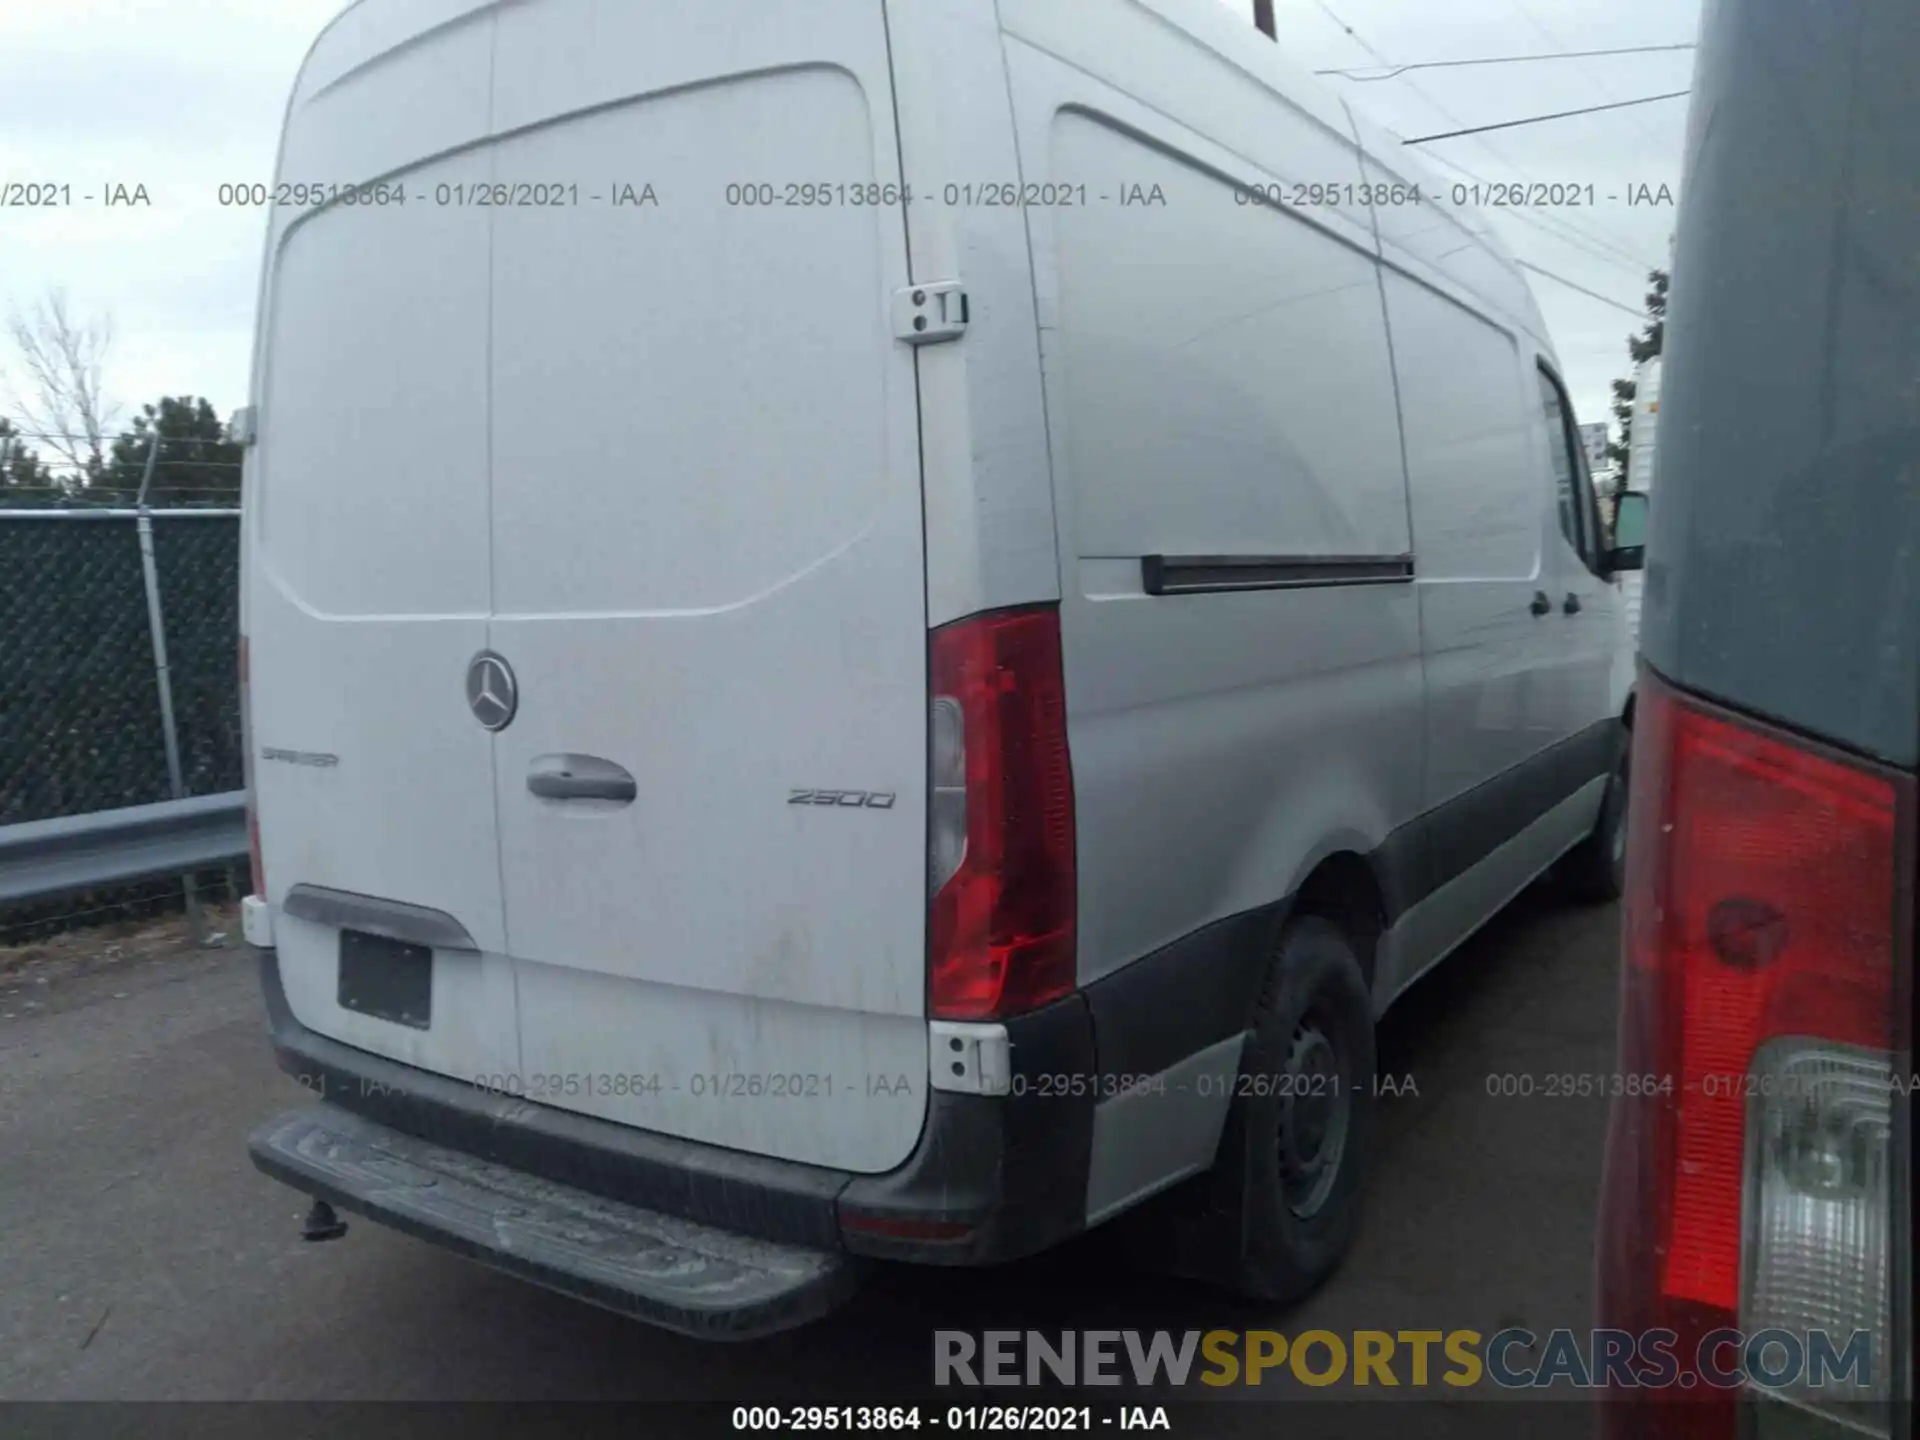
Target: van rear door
[[367, 586], [708, 575]]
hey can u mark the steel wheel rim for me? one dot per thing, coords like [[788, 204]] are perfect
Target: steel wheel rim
[[1316, 1106]]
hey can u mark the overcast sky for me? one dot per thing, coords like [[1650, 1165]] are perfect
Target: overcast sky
[[182, 95]]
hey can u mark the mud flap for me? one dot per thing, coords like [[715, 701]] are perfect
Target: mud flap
[[1197, 1230], [674, 1273]]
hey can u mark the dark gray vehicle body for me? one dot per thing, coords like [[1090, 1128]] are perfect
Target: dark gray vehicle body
[[1782, 571], [1783, 553]]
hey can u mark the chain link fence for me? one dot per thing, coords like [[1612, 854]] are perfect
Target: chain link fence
[[81, 727], [87, 713]]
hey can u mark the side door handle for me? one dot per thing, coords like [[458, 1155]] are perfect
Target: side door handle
[[1541, 604], [1572, 605], [579, 777]]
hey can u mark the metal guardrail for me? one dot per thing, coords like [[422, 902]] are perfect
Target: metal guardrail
[[44, 858]]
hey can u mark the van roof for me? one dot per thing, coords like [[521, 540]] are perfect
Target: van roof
[[1463, 253]]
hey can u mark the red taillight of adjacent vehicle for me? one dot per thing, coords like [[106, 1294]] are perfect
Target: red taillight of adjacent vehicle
[[1000, 828], [1748, 1181]]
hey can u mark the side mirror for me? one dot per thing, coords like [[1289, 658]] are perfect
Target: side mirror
[[1629, 532]]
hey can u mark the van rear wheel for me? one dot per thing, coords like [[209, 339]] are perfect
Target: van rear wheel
[[1596, 869], [1294, 1151]]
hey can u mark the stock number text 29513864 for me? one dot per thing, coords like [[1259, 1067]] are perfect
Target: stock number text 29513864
[[1310, 194], [961, 1418]]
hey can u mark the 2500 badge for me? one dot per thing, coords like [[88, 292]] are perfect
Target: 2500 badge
[[851, 799]]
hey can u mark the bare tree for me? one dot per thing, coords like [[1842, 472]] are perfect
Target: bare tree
[[63, 361]]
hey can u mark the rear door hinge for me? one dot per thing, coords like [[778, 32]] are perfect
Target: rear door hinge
[[929, 314]]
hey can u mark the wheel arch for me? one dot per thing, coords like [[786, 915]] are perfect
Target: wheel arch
[[1343, 886]]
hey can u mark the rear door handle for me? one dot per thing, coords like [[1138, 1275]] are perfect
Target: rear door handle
[[579, 777], [1540, 604], [1572, 605]]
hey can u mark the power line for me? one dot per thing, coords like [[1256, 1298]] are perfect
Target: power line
[[1594, 240], [1504, 60], [112, 495], [1606, 92], [1556, 227], [1590, 294], [1537, 119], [130, 436], [1594, 236], [1351, 33]]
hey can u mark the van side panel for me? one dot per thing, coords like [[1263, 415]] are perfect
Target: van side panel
[[1479, 511], [1218, 384], [1451, 248], [983, 428], [1481, 503], [1511, 748]]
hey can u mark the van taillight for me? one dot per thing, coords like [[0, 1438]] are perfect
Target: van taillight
[[1000, 827], [1750, 1186]]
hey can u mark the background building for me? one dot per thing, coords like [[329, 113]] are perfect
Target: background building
[[1593, 439]]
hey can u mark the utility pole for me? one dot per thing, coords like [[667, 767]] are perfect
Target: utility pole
[[1263, 18], [162, 672]]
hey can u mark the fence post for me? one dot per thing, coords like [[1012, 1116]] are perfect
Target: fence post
[[157, 628]]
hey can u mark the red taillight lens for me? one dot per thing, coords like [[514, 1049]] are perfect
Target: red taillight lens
[[1773, 915], [1761, 893], [894, 1227], [1001, 922]]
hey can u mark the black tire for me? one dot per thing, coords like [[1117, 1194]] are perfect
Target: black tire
[[1311, 1045], [1595, 870]]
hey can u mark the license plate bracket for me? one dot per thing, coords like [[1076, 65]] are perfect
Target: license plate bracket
[[390, 980]]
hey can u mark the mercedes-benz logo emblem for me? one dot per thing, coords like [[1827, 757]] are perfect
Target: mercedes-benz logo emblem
[[492, 693]]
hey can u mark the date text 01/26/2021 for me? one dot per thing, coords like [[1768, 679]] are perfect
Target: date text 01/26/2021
[[1020, 1418], [700, 1085], [811, 1085]]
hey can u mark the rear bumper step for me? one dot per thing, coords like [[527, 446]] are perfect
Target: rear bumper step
[[675, 1273]]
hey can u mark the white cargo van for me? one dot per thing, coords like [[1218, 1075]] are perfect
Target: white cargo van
[[877, 630]]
